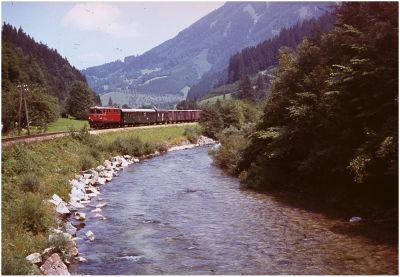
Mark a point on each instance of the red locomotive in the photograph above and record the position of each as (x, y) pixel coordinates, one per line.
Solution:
(107, 117)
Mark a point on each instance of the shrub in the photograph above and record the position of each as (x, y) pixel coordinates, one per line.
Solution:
(192, 133)
(86, 162)
(148, 148)
(233, 141)
(83, 135)
(16, 266)
(30, 183)
(95, 153)
(162, 147)
(31, 214)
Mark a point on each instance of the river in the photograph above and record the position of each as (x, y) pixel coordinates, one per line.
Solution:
(179, 214)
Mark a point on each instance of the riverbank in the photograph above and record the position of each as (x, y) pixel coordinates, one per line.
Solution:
(32, 174)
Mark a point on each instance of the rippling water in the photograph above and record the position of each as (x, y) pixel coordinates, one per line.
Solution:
(178, 214)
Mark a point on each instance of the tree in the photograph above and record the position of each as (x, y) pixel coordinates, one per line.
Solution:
(80, 100)
(110, 102)
(330, 125)
(245, 88)
(43, 108)
(187, 105)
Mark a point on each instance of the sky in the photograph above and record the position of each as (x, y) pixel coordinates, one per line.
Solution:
(94, 33)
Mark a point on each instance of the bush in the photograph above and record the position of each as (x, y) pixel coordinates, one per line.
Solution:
(30, 183)
(148, 148)
(233, 141)
(31, 214)
(16, 266)
(83, 135)
(192, 133)
(86, 163)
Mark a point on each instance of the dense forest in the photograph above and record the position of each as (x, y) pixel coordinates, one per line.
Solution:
(48, 77)
(329, 128)
(262, 56)
(253, 59)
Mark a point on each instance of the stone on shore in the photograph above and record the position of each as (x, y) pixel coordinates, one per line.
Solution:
(80, 216)
(54, 266)
(100, 216)
(101, 205)
(89, 235)
(34, 258)
(48, 252)
(70, 229)
(97, 210)
(55, 199)
(62, 209)
(76, 205)
(101, 181)
(100, 168)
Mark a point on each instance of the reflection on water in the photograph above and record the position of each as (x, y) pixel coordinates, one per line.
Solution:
(178, 214)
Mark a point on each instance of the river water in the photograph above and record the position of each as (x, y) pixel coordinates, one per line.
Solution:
(179, 214)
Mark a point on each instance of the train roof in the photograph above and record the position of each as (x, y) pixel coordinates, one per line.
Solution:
(137, 110)
(102, 108)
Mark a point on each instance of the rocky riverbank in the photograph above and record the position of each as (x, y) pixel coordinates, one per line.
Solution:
(85, 192)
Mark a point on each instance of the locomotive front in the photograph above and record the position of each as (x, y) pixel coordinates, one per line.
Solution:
(102, 117)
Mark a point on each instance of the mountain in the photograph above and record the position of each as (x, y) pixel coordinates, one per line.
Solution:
(165, 74)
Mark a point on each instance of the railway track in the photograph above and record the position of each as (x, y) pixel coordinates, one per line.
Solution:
(7, 142)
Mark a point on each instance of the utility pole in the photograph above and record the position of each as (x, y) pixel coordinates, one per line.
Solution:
(23, 89)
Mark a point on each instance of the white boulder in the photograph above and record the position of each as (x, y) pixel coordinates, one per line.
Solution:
(34, 258)
(70, 229)
(62, 209)
(97, 210)
(80, 216)
(100, 216)
(90, 236)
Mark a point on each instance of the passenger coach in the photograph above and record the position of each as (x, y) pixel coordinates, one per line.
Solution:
(107, 117)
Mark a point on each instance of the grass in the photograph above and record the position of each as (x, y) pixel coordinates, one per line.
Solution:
(213, 99)
(26, 215)
(61, 125)
(65, 124)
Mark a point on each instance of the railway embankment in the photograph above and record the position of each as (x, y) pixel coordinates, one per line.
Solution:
(42, 193)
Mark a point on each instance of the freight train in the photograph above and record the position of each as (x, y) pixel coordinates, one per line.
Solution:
(108, 117)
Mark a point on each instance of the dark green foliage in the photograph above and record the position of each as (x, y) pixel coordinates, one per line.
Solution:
(233, 141)
(187, 105)
(221, 115)
(254, 59)
(246, 91)
(30, 182)
(80, 100)
(330, 125)
(47, 74)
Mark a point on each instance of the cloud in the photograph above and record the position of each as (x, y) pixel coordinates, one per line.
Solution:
(99, 17)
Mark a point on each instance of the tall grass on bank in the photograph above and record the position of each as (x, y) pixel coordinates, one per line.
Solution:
(31, 174)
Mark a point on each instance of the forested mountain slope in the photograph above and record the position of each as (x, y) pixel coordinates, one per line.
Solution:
(264, 55)
(46, 73)
(173, 67)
